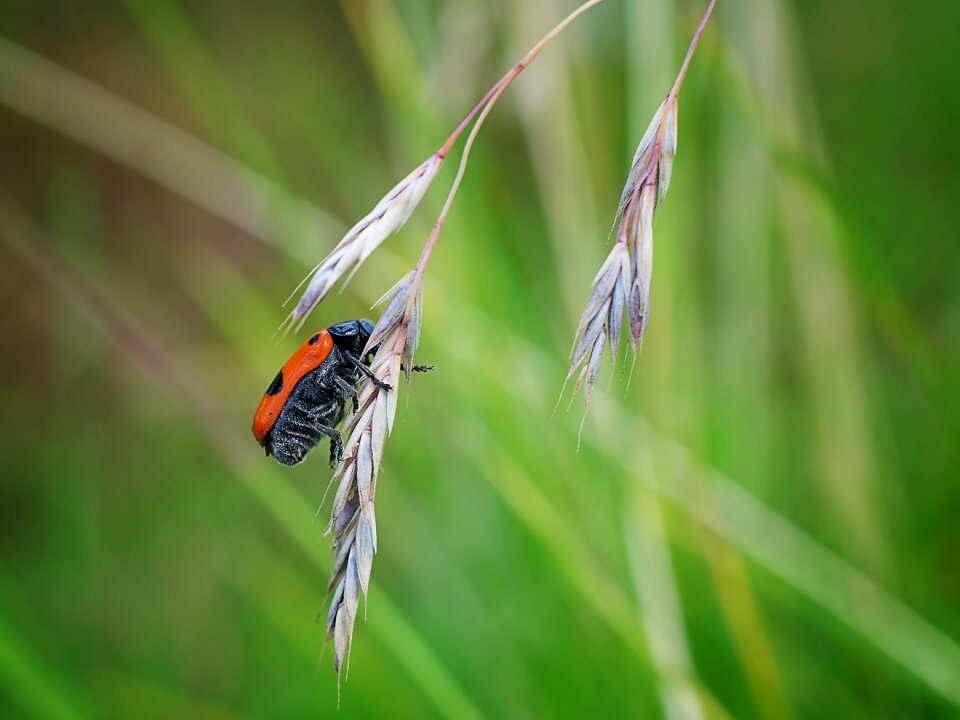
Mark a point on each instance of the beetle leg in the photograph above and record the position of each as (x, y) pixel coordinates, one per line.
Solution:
(336, 451)
(420, 368)
(352, 359)
(349, 390)
(336, 443)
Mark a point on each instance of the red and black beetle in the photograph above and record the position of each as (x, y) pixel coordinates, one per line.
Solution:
(307, 399)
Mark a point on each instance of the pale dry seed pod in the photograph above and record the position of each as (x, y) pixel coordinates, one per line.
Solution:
(386, 219)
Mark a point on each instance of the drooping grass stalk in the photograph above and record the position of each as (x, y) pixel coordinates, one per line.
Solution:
(658, 600)
(394, 340)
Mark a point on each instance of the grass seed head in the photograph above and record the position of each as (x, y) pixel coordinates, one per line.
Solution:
(623, 282)
(353, 518)
(604, 310)
(386, 219)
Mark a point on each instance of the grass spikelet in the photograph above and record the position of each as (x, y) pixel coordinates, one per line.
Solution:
(623, 282)
(353, 518)
(386, 219)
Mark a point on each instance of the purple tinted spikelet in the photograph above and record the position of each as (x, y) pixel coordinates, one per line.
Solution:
(624, 281)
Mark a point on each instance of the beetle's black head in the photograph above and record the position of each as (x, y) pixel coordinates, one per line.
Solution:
(352, 335)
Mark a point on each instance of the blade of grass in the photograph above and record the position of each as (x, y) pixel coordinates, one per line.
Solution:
(652, 573)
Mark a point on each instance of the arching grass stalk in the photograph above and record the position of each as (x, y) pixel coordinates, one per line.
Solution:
(395, 336)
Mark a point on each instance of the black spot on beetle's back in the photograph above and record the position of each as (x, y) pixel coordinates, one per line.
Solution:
(277, 384)
(314, 338)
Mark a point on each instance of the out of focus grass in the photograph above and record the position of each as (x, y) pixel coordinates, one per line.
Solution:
(763, 527)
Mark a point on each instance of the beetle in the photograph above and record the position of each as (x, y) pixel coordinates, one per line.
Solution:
(307, 399)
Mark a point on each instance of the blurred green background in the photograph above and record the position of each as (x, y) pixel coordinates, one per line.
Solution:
(764, 525)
